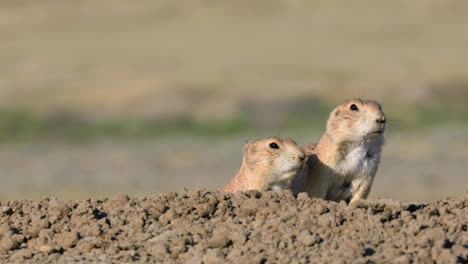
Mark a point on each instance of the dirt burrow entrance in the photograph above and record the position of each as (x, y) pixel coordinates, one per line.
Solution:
(250, 227)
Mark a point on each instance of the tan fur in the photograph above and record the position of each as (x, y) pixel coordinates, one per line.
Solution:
(266, 168)
(342, 165)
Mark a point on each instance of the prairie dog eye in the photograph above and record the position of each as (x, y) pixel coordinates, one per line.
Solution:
(353, 107)
(273, 145)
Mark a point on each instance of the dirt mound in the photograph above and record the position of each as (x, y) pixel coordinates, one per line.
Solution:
(251, 227)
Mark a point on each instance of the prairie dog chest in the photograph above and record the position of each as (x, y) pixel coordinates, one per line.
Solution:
(355, 169)
(356, 160)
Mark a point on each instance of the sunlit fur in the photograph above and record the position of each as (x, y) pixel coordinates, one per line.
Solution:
(266, 168)
(342, 165)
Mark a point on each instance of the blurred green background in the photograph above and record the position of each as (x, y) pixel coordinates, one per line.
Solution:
(100, 97)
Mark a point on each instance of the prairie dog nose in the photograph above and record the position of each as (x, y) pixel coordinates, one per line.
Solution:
(381, 120)
(302, 156)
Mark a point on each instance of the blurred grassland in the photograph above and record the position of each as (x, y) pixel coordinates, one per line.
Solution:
(309, 114)
(158, 95)
(205, 60)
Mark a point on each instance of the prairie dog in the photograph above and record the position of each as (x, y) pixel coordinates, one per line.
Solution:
(268, 163)
(342, 165)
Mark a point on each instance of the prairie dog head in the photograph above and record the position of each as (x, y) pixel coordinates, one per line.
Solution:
(272, 162)
(356, 120)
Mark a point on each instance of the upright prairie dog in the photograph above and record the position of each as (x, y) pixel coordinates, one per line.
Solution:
(342, 165)
(269, 163)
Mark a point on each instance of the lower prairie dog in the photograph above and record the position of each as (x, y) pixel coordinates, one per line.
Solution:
(268, 164)
(342, 165)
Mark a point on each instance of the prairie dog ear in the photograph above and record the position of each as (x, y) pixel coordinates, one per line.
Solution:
(336, 112)
(249, 148)
(246, 146)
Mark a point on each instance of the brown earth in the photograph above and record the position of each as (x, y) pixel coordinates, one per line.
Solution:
(251, 227)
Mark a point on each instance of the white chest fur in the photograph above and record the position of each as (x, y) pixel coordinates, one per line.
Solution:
(354, 161)
(356, 168)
